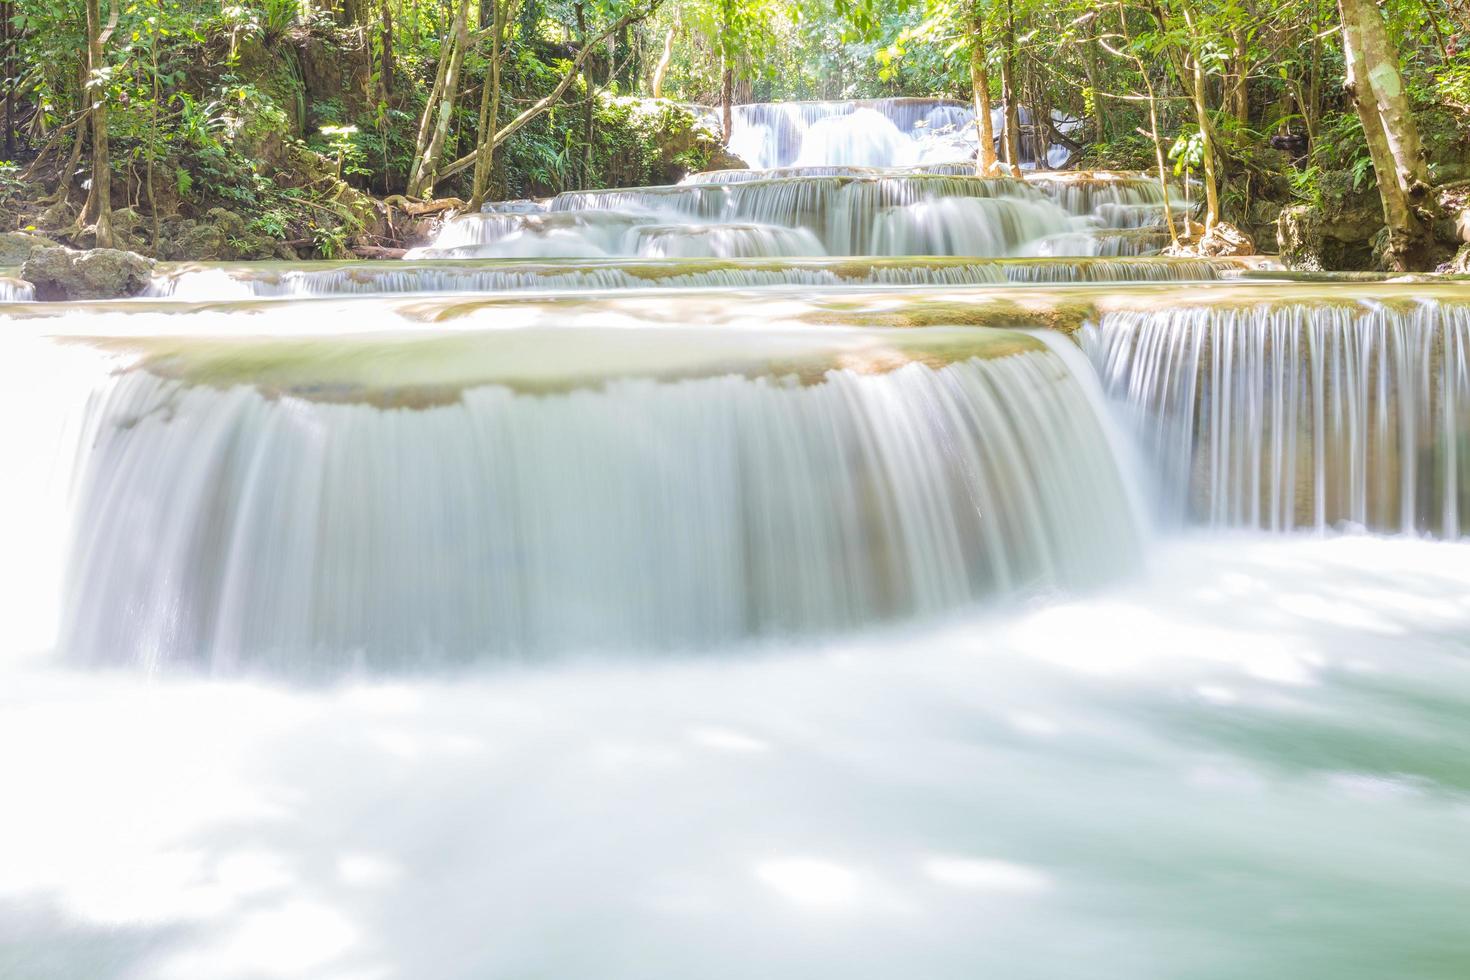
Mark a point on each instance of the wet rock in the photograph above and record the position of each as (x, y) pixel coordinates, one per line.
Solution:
(99, 273)
(17, 246)
(1460, 264)
(1311, 240)
(1224, 240)
(220, 236)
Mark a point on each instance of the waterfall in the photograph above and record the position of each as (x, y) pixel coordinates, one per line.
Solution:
(884, 132)
(863, 137)
(14, 290)
(1300, 413)
(317, 526)
(967, 226)
(725, 241)
(849, 215)
(848, 210)
(201, 283)
(875, 133)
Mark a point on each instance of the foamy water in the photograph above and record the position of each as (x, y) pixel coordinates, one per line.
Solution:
(1251, 762)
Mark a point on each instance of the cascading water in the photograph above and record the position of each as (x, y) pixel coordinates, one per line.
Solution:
(845, 585)
(875, 133)
(931, 210)
(203, 283)
(1300, 414)
(326, 523)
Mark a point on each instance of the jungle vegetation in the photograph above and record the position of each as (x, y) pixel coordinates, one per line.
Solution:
(251, 128)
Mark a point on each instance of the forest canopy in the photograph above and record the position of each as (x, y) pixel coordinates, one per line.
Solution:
(134, 122)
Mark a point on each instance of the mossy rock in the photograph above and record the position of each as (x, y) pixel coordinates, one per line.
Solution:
(99, 273)
(17, 246)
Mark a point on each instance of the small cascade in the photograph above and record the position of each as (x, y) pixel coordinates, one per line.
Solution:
(1118, 201)
(877, 132)
(742, 175)
(1302, 413)
(968, 226)
(833, 210)
(317, 527)
(874, 133)
(894, 214)
(200, 283)
(724, 241)
(13, 290)
(863, 138)
(533, 235)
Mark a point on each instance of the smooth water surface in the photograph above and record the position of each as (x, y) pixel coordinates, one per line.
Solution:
(1249, 762)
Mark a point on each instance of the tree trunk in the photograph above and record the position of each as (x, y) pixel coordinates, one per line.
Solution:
(727, 100)
(1207, 145)
(1312, 111)
(426, 121)
(98, 208)
(1239, 90)
(1380, 63)
(1099, 104)
(1008, 92)
(385, 77)
(1376, 89)
(7, 12)
(1153, 119)
(662, 69)
(422, 185)
(489, 106)
(985, 162)
(588, 106)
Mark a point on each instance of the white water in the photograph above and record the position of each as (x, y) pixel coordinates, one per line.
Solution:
(848, 210)
(203, 283)
(876, 133)
(876, 674)
(304, 535)
(1249, 764)
(1301, 414)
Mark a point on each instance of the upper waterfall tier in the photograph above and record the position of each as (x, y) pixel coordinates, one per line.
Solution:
(873, 133)
(315, 504)
(803, 213)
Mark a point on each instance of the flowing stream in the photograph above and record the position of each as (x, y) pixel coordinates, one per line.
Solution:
(853, 568)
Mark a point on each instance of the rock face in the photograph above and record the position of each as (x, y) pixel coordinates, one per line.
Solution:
(1310, 240)
(100, 273)
(17, 246)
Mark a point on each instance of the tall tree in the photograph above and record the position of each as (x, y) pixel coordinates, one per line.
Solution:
(97, 211)
(985, 162)
(1376, 87)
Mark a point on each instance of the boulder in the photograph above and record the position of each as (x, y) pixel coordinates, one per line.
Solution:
(1310, 239)
(1223, 240)
(17, 246)
(99, 273)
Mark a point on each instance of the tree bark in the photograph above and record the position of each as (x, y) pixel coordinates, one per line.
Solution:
(1380, 63)
(1153, 118)
(980, 95)
(589, 105)
(426, 121)
(98, 208)
(385, 77)
(1393, 139)
(1008, 92)
(662, 69)
(422, 184)
(1239, 89)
